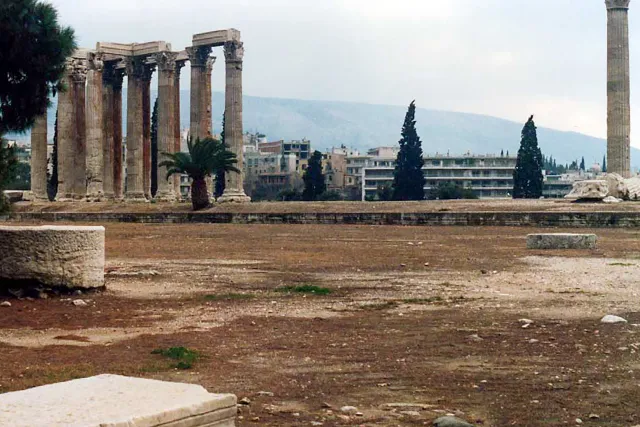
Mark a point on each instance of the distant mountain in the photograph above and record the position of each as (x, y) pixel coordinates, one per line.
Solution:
(364, 126)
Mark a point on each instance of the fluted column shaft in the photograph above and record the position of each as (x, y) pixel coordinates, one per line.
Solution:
(177, 128)
(166, 119)
(79, 81)
(618, 89)
(66, 130)
(135, 138)
(234, 53)
(39, 157)
(146, 131)
(95, 139)
(200, 125)
(118, 155)
(108, 77)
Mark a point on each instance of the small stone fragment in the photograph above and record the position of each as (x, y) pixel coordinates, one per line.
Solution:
(79, 303)
(244, 401)
(348, 409)
(612, 319)
(5, 304)
(265, 393)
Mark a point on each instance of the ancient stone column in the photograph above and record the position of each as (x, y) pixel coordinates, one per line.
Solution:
(166, 62)
(146, 130)
(66, 131)
(233, 54)
(135, 138)
(200, 61)
(95, 140)
(118, 155)
(108, 82)
(39, 157)
(177, 128)
(79, 81)
(618, 93)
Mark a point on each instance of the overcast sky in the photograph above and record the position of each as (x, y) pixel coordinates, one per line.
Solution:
(505, 58)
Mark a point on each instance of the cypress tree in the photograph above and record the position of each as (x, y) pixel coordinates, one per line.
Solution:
(527, 176)
(52, 181)
(604, 163)
(582, 167)
(313, 178)
(408, 178)
(154, 149)
(220, 183)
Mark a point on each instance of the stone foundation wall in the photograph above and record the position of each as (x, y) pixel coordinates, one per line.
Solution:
(512, 219)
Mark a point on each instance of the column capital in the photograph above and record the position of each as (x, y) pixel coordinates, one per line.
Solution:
(147, 72)
(166, 61)
(617, 4)
(179, 65)
(77, 69)
(95, 61)
(134, 66)
(112, 75)
(210, 61)
(234, 51)
(198, 56)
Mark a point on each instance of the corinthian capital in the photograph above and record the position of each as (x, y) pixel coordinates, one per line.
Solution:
(166, 61)
(233, 51)
(198, 56)
(77, 69)
(94, 59)
(617, 4)
(135, 66)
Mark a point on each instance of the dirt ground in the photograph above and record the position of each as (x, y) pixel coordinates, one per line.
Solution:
(420, 322)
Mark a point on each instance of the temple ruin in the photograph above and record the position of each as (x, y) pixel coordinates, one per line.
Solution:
(90, 146)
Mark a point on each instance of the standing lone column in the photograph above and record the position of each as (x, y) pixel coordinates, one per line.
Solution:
(146, 130)
(618, 92)
(135, 73)
(95, 140)
(233, 54)
(166, 119)
(108, 81)
(39, 157)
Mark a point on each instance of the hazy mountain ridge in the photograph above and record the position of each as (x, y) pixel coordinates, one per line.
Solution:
(332, 123)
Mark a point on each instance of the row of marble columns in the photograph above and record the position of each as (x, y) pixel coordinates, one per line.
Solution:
(90, 157)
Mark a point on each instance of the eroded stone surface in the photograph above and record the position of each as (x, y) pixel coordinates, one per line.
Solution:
(561, 241)
(590, 189)
(117, 401)
(52, 256)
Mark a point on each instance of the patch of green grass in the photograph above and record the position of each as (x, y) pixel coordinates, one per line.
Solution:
(183, 356)
(621, 264)
(387, 305)
(228, 297)
(304, 289)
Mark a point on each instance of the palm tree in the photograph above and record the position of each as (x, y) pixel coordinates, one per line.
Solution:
(204, 158)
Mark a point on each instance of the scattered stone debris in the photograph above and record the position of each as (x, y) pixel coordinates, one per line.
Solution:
(265, 393)
(451, 422)
(476, 338)
(79, 303)
(609, 318)
(244, 401)
(349, 410)
(5, 304)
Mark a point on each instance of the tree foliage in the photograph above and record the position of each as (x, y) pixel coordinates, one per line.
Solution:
(384, 193)
(527, 176)
(8, 166)
(313, 178)
(582, 165)
(604, 163)
(220, 181)
(33, 50)
(408, 178)
(203, 159)
(154, 149)
(451, 191)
